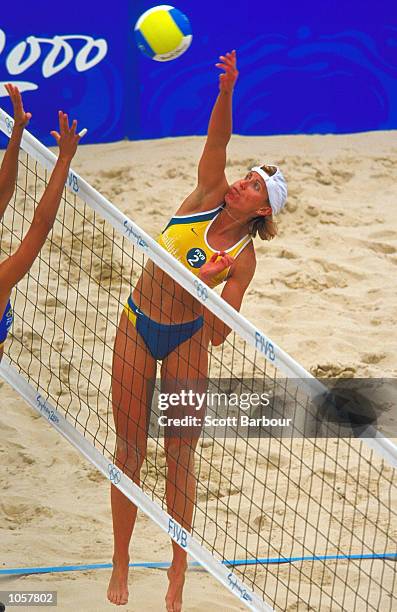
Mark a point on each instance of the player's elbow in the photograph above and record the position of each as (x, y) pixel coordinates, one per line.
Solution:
(218, 338)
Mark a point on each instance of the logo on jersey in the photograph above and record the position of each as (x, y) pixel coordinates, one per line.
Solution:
(196, 257)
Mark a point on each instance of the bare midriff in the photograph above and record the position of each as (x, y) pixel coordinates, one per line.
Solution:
(163, 299)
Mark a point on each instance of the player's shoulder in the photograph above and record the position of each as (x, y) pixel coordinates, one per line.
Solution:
(245, 263)
(200, 200)
(248, 253)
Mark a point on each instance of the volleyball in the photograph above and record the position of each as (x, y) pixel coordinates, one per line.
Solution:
(163, 33)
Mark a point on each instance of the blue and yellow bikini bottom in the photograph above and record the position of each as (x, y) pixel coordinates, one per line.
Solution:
(160, 339)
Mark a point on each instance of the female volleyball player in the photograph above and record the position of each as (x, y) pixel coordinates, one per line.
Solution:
(211, 234)
(18, 264)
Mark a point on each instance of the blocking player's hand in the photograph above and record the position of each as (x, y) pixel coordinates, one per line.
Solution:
(67, 139)
(21, 118)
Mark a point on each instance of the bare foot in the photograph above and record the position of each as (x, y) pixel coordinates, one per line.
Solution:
(118, 584)
(173, 599)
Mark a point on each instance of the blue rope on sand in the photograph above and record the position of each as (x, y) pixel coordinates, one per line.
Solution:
(162, 565)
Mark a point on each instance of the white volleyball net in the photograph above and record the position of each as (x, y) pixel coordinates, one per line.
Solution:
(286, 517)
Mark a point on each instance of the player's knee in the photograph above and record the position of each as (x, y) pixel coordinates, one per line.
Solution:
(179, 452)
(129, 457)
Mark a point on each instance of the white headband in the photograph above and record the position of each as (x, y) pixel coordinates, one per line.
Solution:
(276, 188)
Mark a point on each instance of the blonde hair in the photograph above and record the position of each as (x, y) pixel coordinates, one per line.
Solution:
(266, 227)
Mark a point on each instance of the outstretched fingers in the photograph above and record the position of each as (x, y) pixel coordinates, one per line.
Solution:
(66, 120)
(224, 66)
(228, 61)
(13, 92)
(228, 77)
(56, 135)
(73, 127)
(61, 121)
(20, 117)
(67, 139)
(17, 99)
(10, 90)
(64, 127)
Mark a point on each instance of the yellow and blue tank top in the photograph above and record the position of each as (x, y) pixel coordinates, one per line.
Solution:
(5, 323)
(185, 237)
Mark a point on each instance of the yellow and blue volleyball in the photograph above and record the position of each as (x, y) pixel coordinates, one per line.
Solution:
(163, 33)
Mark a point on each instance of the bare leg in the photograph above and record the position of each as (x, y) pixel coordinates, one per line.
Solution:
(134, 371)
(186, 368)
(181, 493)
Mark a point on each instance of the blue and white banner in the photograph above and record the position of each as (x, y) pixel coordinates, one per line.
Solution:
(74, 58)
(304, 68)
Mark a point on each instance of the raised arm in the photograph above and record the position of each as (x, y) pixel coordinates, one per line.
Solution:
(211, 170)
(9, 165)
(16, 266)
(212, 184)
